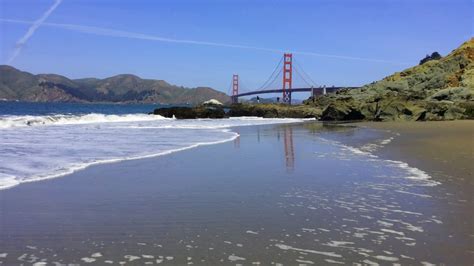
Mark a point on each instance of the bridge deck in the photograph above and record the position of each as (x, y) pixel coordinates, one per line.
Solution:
(330, 89)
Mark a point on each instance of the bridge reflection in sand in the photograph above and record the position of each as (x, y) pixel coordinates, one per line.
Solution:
(288, 147)
(289, 150)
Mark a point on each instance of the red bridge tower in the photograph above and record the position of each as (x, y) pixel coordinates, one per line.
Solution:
(235, 88)
(287, 77)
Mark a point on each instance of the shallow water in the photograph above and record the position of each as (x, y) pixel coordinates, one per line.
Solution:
(39, 147)
(300, 194)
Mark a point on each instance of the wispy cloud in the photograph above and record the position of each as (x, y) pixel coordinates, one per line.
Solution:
(133, 35)
(31, 30)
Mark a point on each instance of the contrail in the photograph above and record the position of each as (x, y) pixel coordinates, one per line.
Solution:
(133, 35)
(34, 26)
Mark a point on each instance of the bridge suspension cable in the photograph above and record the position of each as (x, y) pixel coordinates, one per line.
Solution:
(270, 80)
(302, 77)
(243, 86)
(230, 90)
(298, 66)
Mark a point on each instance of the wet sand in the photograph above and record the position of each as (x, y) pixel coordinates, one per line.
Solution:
(445, 147)
(290, 194)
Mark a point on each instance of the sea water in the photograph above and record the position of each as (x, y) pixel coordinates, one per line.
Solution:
(42, 141)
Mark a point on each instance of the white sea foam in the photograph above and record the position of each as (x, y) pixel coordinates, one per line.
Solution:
(131, 257)
(408, 171)
(338, 243)
(414, 173)
(369, 262)
(61, 119)
(88, 260)
(305, 261)
(334, 261)
(386, 258)
(324, 253)
(235, 258)
(35, 148)
(392, 231)
(251, 232)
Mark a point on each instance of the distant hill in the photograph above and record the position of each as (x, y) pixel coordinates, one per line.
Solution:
(126, 88)
(441, 88)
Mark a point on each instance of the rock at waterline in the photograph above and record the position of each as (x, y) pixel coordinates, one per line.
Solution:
(191, 112)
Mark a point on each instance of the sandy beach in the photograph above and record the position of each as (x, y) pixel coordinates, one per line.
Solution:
(445, 147)
(290, 194)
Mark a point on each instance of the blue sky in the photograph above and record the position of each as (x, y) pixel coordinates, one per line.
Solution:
(365, 40)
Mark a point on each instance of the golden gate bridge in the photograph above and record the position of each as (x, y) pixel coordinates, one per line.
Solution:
(283, 71)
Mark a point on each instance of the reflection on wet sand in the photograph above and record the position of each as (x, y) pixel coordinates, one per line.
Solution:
(289, 149)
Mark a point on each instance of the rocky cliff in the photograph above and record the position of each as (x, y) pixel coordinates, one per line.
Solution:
(439, 89)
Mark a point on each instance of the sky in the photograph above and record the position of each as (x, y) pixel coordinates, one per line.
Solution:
(202, 43)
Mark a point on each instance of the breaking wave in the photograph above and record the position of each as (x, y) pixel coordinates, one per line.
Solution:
(36, 148)
(62, 119)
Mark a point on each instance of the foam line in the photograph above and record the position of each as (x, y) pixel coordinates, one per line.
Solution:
(59, 145)
(31, 120)
(11, 182)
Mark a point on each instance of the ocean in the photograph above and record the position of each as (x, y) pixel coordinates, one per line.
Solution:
(47, 140)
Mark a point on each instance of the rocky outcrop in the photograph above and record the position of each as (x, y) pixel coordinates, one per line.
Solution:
(191, 112)
(440, 89)
(335, 112)
(235, 110)
(274, 111)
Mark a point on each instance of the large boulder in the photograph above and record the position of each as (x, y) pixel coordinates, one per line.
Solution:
(453, 94)
(341, 112)
(397, 110)
(443, 110)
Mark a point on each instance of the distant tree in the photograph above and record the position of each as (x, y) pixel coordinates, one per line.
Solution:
(433, 56)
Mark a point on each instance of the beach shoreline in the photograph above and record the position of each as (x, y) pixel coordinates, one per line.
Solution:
(439, 147)
(276, 194)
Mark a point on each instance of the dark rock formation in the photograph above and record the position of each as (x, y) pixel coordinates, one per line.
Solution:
(341, 112)
(191, 112)
(274, 111)
(260, 110)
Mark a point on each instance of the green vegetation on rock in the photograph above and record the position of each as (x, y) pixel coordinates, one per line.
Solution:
(438, 89)
(274, 110)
